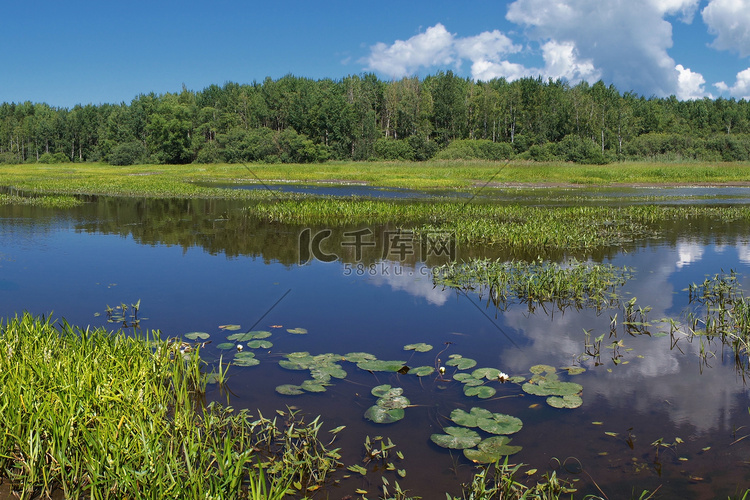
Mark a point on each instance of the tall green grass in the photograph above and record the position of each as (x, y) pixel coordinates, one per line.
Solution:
(103, 415)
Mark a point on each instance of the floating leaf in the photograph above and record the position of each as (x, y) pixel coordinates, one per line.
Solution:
(482, 391)
(259, 344)
(241, 337)
(457, 438)
(472, 382)
(421, 347)
(500, 424)
(461, 363)
(518, 379)
(570, 401)
(359, 357)
(469, 419)
(229, 327)
(381, 415)
(197, 335)
(295, 364)
(386, 391)
(289, 390)
(463, 376)
(213, 378)
(488, 373)
(313, 386)
(259, 334)
(539, 369)
(245, 362)
(491, 449)
(332, 370)
(552, 388)
(226, 345)
(394, 402)
(377, 365)
(574, 370)
(422, 371)
(297, 331)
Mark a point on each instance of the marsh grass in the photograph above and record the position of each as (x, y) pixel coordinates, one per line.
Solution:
(575, 284)
(101, 415)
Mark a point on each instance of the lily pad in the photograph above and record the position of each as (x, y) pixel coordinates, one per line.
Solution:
(420, 347)
(245, 354)
(259, 344)
(461, 363)
(313, 386)
(381, 415)
(565, 401)
(552, 388)
(246, 362)
(500, 424)
(488, 373)
(574, 370)
(332, 370)
(289, 390)
(359, 357)
(241, 337)
(226, 345)
(295, 364)
(461, 377)
(456, 438)
(229, 327)
(469, 419)
(378, 365)
(472, 382)
(481, 391)
(259, 334)
(197, 335)
(538, 369)
(491, 450)
(386, 391)
(422, 371)
(297, 331)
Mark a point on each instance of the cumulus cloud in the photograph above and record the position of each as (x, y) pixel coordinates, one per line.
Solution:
(690, 85)
(729, 21)
(626, 42)
(434, 47)
(741, 88)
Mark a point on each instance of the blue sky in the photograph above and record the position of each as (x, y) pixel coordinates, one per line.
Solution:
(80, 52)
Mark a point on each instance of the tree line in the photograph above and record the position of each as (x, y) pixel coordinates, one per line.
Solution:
(300, 120)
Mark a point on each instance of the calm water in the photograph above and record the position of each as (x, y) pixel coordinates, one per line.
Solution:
(196, 265)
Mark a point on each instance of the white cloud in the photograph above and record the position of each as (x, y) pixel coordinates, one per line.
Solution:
(434, 47)
(625, 43)
(690, 85)
(486, 46)
(729, 21)
(741, 88)
(561, 60)
(487, 70)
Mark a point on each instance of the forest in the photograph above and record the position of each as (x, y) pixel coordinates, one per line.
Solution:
(360, 117)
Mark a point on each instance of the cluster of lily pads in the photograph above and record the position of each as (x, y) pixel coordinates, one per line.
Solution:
(545, 382)
(486, 450)
(390, 405)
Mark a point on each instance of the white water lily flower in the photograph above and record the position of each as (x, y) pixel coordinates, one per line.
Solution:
(441, 370)
(503, 377)
(239, 347)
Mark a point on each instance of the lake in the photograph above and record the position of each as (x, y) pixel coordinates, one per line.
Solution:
(198, 265)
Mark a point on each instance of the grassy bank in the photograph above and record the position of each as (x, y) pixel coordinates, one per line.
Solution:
(179, 180)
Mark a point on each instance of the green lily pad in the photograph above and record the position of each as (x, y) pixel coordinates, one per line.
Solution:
(393, 402)
(461, 377)
(569, 401)
(294, 364)
(313, 386)
(212, 378)
(332, 370)
(197, 335)
(385, 390)
(377, 365)
(240, 337)
(491, 450)
(481, 391)
(246, 362)
(227, 345)
(472, 382)
(359, 357)
(538, 369)
(244, 354)
(500, 424)
(552, 388)
(229, 327)
(456, 438)
(259, 344)
(297, 331)
(574, 370)
(469, 419)
(461, 363)
(422, 371)
(381, 415)
(488, 373)
(289, 390)
(421, 347)
(518, 379)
